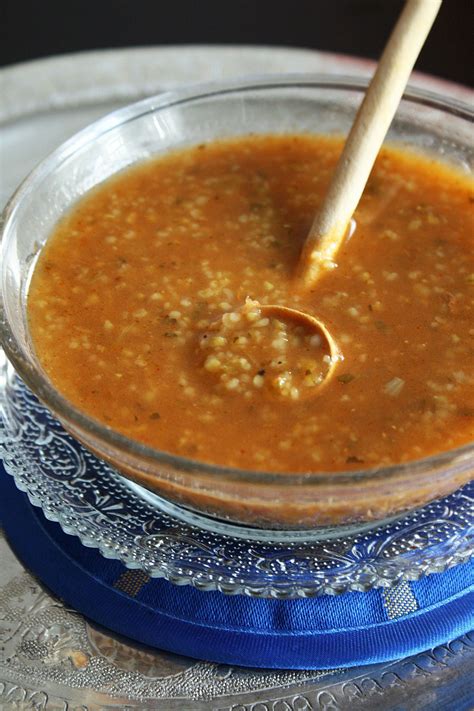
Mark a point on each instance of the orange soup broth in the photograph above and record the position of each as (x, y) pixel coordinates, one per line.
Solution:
(150, 261)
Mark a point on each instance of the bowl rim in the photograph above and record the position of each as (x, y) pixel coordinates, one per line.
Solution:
(65, 411)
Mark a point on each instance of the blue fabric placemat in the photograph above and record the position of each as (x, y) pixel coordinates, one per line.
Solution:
(318, 633)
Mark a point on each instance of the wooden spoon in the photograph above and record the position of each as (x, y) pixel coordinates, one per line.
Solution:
(363, 143)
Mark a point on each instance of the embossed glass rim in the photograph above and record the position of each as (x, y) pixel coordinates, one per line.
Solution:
(31, 372)
(90, 500)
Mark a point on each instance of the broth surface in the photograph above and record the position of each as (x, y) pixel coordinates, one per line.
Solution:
(126, 295)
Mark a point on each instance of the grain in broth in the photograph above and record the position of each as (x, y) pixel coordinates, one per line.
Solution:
(126, 295)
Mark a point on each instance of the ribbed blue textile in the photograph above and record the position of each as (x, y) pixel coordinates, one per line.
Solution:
(319, 633)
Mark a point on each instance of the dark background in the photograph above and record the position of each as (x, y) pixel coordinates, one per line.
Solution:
(38, 28)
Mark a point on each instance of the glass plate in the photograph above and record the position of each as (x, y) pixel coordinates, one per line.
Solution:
(92, 501)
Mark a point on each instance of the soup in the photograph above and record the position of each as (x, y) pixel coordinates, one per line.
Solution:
(137, 308)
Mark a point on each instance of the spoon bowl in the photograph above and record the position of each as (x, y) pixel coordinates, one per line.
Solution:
(313, 325)
(270, 350)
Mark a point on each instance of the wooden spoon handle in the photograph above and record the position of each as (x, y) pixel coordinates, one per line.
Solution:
(365, 138)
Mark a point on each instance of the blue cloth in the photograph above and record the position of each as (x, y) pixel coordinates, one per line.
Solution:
(319, 633)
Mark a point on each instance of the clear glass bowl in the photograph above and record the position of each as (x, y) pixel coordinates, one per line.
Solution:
(126, 522)
(424, 122)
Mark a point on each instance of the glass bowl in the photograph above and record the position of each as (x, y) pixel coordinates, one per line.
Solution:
(305, 104)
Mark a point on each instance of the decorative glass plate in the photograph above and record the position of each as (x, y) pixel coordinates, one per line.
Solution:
(91, 500)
